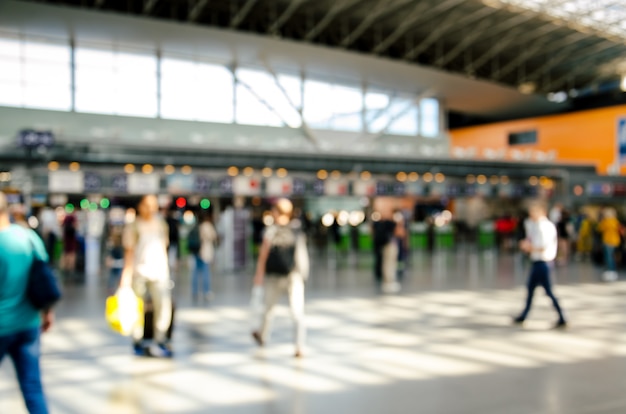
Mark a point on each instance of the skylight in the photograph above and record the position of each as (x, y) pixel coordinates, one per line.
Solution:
(605, 17)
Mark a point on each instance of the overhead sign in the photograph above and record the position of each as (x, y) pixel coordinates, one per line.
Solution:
(180, 183)
(202, 184)
(621, 140)
(29, 138)
(279, 186)
(247, 186)
(143, 183)
(68, 182)
(119, 184)
(93, 182)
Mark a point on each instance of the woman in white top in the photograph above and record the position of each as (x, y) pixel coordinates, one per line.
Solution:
(204, 258)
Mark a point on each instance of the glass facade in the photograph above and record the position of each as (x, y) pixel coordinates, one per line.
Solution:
(35, 75)
(114, 82)
(109, 82)
(196, 91)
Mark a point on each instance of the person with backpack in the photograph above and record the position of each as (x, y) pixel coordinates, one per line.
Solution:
(147, 271)
(283, 267)
(201, 243)
(21, 324)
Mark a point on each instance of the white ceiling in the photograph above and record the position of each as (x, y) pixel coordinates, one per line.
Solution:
(458, 93)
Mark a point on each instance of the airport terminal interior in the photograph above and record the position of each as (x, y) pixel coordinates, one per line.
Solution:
(440, 158)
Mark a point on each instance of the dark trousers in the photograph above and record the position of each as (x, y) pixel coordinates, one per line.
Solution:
(23, 348)
(50, 246)
(540, 276)
(378, 263)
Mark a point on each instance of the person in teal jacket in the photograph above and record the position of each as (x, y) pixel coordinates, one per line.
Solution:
(20, 323)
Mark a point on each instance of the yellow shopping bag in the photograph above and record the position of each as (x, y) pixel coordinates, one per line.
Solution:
(124, 311)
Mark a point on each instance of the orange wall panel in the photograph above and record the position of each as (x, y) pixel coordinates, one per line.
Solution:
(587, 137)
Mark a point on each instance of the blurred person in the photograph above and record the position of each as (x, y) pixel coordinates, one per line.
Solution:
(283, 267)
(541, 244)
(20, 323)
(383, 232)
(204, 258)
(386, 251)
(610, 229)
(115, 259)
(146, 270)
(505, 227)
(584, 241)
(174, 239)
(555, 213)
(50, 230)
(401, 237)
(70, 243)
(564, 234)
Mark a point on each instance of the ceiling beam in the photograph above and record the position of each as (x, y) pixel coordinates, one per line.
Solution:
(196, 10)
(148, 5)
(286, 15)
(335, 10)
(452, 20)
(539, 46)
(476, 32)
(586, 65)
(559, 57)
(242, 13)
(409, 22)
(515, 35)
(382, 8)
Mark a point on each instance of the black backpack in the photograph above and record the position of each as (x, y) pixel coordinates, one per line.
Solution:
(281, 260)
(193, 240)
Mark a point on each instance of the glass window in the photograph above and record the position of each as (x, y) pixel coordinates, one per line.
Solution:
(196, 91)
(10, 94)
(375, 110)
(116, 83)
(35, 74)
(11, 69)
(328, 106)
(292, 85)
(403, 117)
(10, 48)
(348, 109)
(46, 52)
(391, 115)
(263, 101)
(318, 111)
(429, 122)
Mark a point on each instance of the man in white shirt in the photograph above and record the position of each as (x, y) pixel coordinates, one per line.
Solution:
(541, 245)
(146, 269)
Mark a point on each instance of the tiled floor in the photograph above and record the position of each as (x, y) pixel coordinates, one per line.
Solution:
(445, 345)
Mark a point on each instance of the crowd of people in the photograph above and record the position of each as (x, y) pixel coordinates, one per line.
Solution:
(142, 253)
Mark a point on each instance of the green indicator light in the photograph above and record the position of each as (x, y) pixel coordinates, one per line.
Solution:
(105, 203)
(69, 208)
(84, 204)
(205, 204)
(93, 206)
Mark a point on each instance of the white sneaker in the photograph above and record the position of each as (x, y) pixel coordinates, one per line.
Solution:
(391, 287)
(609, 276)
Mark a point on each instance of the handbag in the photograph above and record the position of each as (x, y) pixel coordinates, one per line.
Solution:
(124, 310)
(42, 289)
